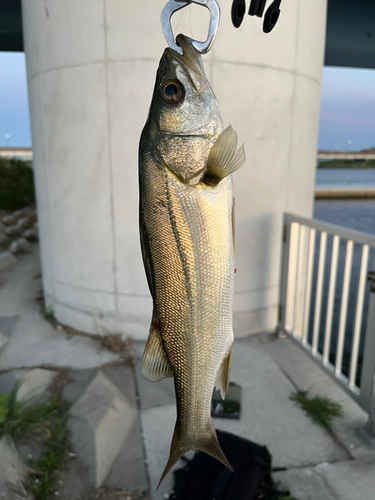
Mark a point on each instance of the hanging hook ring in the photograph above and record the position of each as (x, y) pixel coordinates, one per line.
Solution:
(175, 5)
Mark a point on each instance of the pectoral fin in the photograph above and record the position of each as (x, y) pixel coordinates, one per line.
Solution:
(155, 365)
(223, 159)
(223, 374)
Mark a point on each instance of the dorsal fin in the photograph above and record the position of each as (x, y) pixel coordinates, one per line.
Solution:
(223, 159)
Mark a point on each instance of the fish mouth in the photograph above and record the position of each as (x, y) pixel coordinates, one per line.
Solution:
(191, 58)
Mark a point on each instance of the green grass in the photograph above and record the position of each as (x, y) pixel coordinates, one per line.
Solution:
(47, 421)
(321, 409)
(52, 458)
(49, 313)
(280, 492)
(16, 184)
(285, 496)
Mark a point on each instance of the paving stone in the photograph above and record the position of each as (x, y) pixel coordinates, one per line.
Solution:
(269, 417)
(3, 340)
(3, 239)
(20, 246)
(12, 230)
(101, 420)
(31, 234)
(24, 222)
(10, 379)
(32, 383)
(80, 380)
(347, 480)
(308, 376)
(154, 393)
(20, 213)
(74, 487)
(8, 220)
(34, 342)
(35, 383)
(2, 228)
(15, 495)
(29, 449)
(11, 471)
(123, 378)
(305, 484)
(7, 323)
(350, 480)
(158, 425)
(128, 471)
(6, 260)
(6, 327)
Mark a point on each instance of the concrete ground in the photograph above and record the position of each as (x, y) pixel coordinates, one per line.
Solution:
(28, 339)
(124, 424)
(317, 466)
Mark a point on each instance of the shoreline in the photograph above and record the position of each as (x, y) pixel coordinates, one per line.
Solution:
(344, 193)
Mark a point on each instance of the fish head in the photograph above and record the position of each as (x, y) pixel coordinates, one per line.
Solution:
(183, 102)
(184, 119)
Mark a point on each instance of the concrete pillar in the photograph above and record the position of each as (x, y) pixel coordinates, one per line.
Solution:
(91, 67)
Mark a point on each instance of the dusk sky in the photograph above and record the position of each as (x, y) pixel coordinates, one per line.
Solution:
(347, 106)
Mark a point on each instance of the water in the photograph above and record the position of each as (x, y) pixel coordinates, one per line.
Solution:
(353, 214)
(353, 177)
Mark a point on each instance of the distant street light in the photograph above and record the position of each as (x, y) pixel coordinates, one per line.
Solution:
(7, 137)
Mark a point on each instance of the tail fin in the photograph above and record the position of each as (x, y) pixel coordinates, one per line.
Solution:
(209, 444)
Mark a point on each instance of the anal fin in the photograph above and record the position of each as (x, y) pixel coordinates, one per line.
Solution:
(155, 364)
(223, 374)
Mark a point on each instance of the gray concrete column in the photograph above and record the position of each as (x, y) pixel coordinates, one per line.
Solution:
(91, 67)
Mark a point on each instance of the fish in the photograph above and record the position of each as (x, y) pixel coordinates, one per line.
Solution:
(186, 220)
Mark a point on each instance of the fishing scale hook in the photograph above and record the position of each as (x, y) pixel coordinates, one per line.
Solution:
(238, 13)
(175, 5)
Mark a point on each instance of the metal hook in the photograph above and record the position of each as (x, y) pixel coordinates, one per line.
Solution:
(175, 5)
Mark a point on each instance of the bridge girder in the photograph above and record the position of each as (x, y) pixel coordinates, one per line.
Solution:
(350, 36)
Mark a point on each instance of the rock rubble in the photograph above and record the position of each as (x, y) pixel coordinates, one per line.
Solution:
(17, 231)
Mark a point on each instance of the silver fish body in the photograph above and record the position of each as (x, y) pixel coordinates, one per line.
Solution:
(187, 239)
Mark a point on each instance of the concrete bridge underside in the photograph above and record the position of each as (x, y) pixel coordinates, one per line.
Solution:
(350, 33)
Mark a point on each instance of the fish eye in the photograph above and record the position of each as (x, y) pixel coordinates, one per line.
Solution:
(171, 89)
(172, 92)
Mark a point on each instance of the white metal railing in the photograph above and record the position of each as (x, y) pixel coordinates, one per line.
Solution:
(326, 304)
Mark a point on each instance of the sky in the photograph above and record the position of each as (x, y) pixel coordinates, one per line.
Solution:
(347, 112)
(14, 108)
(347, 109)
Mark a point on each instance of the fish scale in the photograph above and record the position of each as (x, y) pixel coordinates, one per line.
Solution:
(186, 226)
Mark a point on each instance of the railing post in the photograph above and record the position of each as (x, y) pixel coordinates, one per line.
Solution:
(284, 265)
(368, 367)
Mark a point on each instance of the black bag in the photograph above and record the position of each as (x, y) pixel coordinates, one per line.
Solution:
(204, 478)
